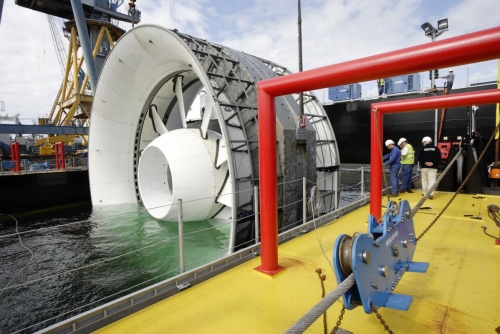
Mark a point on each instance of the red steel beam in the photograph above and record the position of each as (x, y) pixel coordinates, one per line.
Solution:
(465, 49)
(379, 109)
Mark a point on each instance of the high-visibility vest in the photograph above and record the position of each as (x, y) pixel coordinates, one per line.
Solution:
(381, 82)
(409, 159)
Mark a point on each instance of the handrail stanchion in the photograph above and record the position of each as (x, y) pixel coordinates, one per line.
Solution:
(181, 237)
(336, 187)
(362, 181)
(256, 213)
(63, 157)
(304, 200)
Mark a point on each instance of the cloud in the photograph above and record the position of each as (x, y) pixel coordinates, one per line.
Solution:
(333, 31)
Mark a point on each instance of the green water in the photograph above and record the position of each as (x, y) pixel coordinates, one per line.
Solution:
(138, 251)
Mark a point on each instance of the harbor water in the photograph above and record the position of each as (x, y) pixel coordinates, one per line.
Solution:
(86, 256)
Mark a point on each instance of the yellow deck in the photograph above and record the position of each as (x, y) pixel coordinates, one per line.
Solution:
(460, 293)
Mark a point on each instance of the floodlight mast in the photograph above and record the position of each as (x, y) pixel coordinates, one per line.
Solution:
(432, 33)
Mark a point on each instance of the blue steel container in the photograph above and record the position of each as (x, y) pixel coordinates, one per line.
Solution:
(345, 92)
(402, 83)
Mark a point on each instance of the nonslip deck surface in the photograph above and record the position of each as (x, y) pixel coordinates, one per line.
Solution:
(460, 293)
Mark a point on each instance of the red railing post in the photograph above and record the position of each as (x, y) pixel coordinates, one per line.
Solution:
(15, 157)
(18, 157)
(268, 176)
(56, 149)
(376, 169)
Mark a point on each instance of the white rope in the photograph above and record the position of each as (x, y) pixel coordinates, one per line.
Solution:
(27, 264)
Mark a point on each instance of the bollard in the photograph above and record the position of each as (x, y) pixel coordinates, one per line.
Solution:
(256, 212)
(181, 238)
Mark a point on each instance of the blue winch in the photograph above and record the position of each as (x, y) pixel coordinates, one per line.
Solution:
(379, 259)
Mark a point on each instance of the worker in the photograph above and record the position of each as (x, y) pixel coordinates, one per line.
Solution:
(428, 156)
(381, 87)
(393, 160)
(407, 162)
(449, 79)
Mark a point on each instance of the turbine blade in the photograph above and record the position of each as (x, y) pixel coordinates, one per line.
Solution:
(221, 153)
(158, 125)
(206, 116)
(226, 196)
(180, 99)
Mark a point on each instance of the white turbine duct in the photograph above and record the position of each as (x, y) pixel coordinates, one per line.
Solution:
(142, 148)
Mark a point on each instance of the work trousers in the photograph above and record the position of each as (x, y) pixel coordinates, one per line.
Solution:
(394, 178)
(406, 173)
(428, 179)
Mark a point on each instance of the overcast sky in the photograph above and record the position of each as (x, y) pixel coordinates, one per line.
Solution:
(333, 31)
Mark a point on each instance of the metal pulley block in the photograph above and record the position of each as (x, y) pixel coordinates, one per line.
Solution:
(378, 260)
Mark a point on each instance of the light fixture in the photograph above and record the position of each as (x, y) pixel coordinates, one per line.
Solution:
(427, 28)
(443, 25)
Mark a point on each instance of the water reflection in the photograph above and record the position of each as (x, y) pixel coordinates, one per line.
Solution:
(120, 248)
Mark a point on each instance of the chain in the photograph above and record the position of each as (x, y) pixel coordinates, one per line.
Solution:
(341, 316)
(382, 321)
(322, 278)
(462, 185)
(381, 155)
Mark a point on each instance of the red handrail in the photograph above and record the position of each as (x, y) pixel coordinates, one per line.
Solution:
(479, 46)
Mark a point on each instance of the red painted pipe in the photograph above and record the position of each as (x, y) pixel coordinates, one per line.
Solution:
(479, 46)
(491, 96)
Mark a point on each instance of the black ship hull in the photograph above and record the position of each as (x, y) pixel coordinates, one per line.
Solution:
(351, 123)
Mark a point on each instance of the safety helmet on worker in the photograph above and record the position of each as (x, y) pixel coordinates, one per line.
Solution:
(426, 139)
(451, 70)
(401, 141)
(389, 142)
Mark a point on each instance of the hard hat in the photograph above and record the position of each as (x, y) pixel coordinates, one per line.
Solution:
(451, 70)
(426, 140)
(401, 140)
(389, 142)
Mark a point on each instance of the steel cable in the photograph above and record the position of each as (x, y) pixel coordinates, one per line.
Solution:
(310, 317)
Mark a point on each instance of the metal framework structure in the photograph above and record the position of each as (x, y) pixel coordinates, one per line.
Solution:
(73, 100)
(147, 83)
(470, 48)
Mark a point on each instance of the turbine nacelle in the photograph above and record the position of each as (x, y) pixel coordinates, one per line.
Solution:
(180, 164)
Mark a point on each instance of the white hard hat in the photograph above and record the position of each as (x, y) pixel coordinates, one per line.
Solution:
(451, 70)
(426, 140)
(389, 142)
(401, 140)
